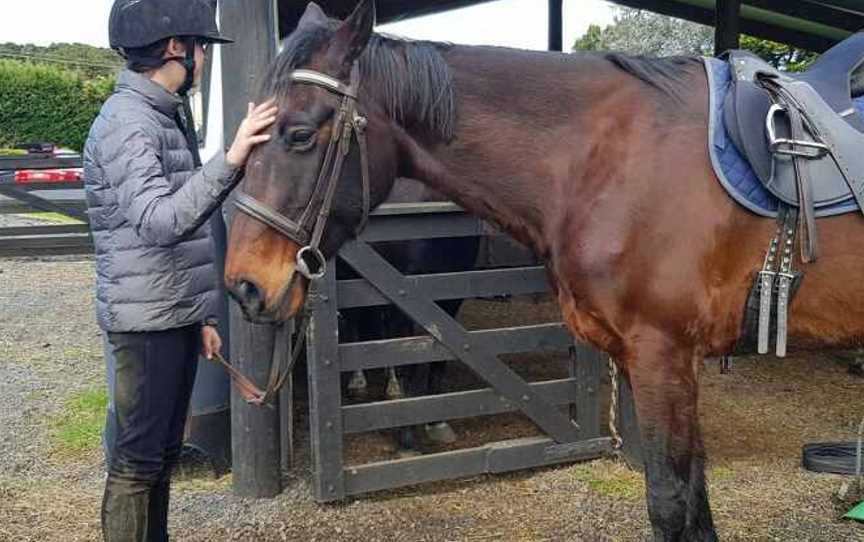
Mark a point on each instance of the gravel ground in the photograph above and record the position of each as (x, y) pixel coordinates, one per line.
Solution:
(755, 421)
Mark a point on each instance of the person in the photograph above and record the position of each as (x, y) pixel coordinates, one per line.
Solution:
(156, 288)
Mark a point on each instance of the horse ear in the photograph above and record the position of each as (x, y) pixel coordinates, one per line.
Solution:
(353, 34)
(313, 14)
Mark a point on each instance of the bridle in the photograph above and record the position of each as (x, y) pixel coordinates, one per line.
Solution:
(308, 230)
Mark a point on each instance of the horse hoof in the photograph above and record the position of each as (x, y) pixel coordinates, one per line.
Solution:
(358, 381)
(441, 433)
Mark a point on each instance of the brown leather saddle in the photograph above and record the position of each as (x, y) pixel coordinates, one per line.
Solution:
(801, 133)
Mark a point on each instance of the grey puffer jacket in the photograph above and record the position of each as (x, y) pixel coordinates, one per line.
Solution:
(148, 209)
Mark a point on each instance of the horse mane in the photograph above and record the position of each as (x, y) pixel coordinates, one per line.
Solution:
(669, 75)
(410, 79)
(414, 84)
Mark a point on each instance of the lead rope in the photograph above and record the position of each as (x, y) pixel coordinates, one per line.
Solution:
(251, 393)
(617, 441)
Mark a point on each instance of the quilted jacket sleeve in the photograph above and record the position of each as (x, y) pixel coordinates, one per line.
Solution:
(158, 215)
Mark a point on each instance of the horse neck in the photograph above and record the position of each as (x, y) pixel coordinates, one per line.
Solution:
(515, 140)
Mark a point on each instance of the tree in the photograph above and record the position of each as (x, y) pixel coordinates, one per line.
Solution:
(640, 32)
(90, 61)
(779, 55)
(42, 102)
(53, 93)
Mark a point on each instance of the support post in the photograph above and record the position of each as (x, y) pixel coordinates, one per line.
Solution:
(628, 426)
(727, 26)
(556, 25)
(325, 390)
(586, 365)
(286, 397)
(255, 431)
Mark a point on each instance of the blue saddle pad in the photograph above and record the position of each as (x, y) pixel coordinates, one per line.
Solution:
(733, 170)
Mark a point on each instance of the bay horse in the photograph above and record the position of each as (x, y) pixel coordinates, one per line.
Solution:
(598, 162)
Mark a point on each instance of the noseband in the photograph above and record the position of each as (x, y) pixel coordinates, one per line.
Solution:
(308, 230)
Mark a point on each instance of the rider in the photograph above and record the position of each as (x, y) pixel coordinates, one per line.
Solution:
(149, 200)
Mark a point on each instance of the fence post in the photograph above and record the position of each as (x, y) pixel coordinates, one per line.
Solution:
(586, 365)
(255, 431)
(628, 426)
(325, 389)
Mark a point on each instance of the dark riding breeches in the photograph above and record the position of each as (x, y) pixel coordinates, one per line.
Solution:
(153, 382)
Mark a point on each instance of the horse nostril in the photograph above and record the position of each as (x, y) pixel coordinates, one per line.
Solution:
(249, 295)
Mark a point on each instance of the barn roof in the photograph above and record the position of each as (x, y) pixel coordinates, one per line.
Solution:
(811, 24)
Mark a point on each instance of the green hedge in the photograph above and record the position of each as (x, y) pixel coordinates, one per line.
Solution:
(45, 103)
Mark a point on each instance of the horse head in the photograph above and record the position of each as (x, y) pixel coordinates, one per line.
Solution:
(310, 189)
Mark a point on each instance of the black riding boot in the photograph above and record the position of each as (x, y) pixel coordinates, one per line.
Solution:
(124, 513)
(158, 512)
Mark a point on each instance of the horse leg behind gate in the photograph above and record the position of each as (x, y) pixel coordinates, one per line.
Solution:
(664, 378)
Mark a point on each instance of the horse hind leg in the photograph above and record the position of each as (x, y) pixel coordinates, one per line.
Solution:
(407, 441)
(664, 379)
(439, 432)
(358, 386)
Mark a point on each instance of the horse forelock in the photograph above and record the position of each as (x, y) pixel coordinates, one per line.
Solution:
(409, 79)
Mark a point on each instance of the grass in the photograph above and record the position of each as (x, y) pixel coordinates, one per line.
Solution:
(611, 479)
(202, 484)
(56, 218)
(718, 473)
(77, 429)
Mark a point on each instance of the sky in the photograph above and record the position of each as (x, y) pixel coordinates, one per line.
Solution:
(514, 23)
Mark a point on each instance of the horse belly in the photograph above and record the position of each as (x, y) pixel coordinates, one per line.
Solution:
(828, 310)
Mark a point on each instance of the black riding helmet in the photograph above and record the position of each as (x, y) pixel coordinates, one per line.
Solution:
(139, 23)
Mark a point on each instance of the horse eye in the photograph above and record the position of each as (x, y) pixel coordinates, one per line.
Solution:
(300, 138)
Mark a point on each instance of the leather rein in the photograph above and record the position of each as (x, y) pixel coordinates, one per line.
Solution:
(308, 230)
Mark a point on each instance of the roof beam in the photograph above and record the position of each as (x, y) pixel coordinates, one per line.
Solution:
(727, 22)
(388, 11)
(754, 21)
(816, 12)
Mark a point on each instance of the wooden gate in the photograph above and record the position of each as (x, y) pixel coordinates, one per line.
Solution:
(570, 434)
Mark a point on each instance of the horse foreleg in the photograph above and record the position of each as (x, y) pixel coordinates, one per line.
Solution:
(664, 378)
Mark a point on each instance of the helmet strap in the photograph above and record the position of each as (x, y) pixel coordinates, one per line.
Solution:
(186, 121)
(188, 63)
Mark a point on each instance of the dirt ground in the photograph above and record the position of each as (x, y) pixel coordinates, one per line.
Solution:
(755, 421)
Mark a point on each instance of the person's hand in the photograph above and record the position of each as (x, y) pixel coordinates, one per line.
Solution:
(258, 119)
(211, 343)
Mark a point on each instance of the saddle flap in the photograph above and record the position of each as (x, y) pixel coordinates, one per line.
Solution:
(745, 113)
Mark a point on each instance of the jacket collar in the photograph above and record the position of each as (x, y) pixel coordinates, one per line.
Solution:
(154, 94)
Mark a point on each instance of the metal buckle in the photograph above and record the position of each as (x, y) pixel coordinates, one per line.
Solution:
(303, 265)
(360, 122)
(787, 146)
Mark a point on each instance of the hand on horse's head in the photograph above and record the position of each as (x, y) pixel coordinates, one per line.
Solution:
(253, 131)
